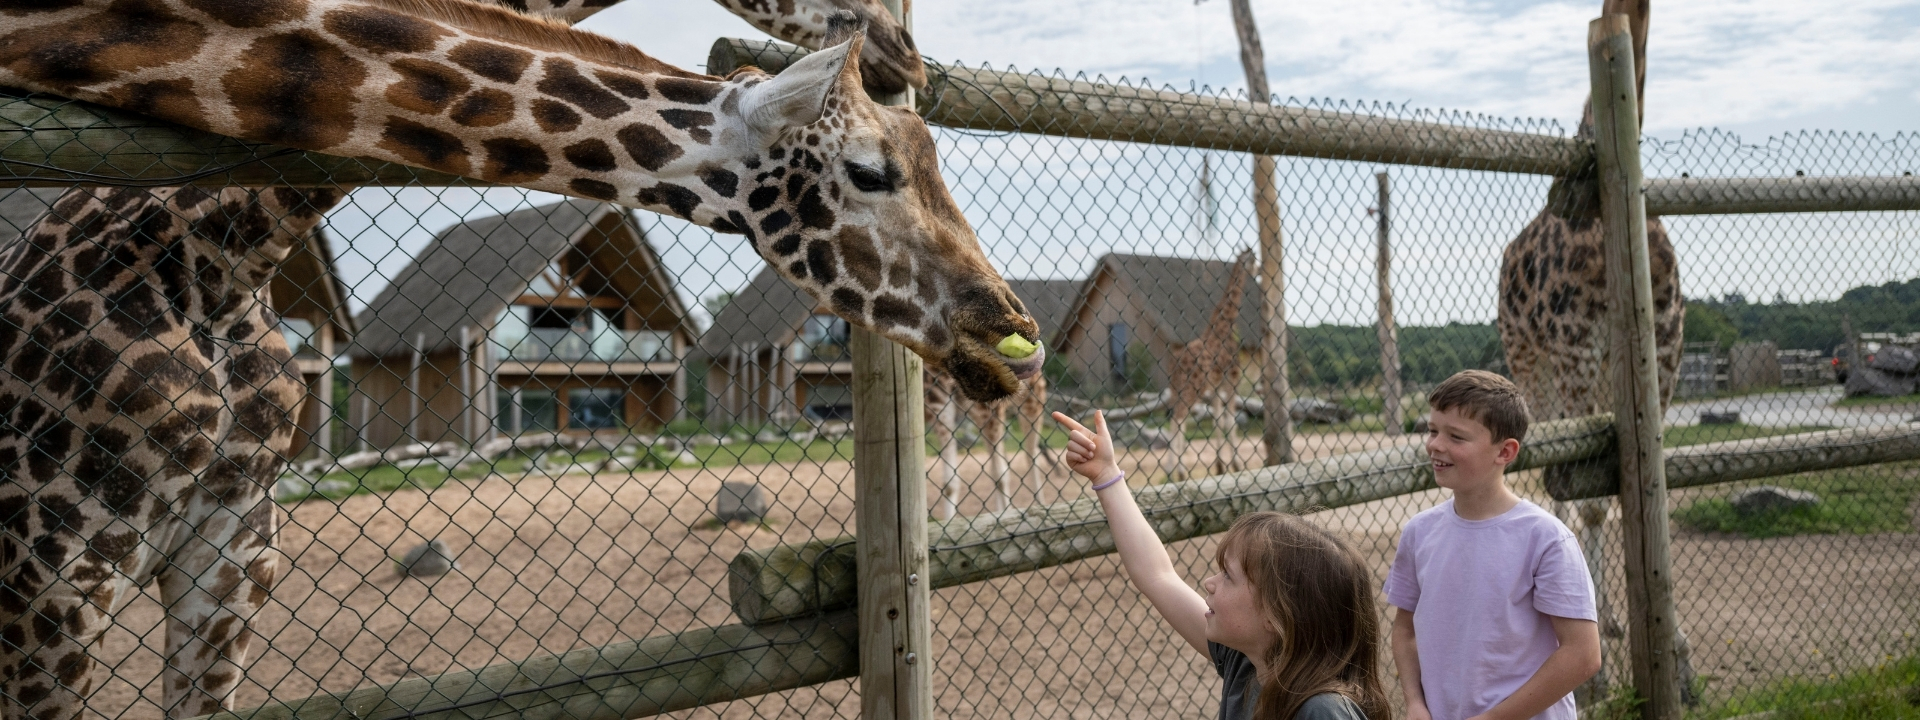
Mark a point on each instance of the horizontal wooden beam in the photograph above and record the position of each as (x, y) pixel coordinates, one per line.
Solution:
(801, 579)
(625, 680)
(1724, 462)
(1739, 196)
(998, 101)
(48, 141)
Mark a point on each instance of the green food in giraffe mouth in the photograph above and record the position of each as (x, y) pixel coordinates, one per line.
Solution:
(1016, 347)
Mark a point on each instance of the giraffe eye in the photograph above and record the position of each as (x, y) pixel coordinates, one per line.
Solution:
(868, 179)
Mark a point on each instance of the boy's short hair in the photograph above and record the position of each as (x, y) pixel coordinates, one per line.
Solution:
(1487, 399)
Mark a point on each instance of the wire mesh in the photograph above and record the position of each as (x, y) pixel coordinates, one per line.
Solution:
(525, 425)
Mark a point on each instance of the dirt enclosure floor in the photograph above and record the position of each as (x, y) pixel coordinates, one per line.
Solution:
(548, 565)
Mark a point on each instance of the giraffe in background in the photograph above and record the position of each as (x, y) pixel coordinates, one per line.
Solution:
(944, 408)
(1208, 368)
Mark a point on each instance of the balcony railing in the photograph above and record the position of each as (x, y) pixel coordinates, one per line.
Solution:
(557, 344)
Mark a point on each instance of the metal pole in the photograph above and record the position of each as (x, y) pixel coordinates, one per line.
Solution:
(890, 500)
(1389, 334)
(1651, 631)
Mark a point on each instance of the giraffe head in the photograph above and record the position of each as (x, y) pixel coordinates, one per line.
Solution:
(844, 197)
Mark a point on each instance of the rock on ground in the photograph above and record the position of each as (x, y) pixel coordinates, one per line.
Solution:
(1770, 498)
(429, 559)
(740, 501)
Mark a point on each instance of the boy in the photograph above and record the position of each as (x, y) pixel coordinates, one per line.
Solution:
(1495, 615)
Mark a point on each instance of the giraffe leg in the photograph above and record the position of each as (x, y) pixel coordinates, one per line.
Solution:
(212, 586)
(1177, 446)
(1031, 416)
(992, 421)
(1228, 427)
(944, 421)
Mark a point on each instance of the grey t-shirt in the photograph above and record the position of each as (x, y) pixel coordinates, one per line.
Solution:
(1240, 693)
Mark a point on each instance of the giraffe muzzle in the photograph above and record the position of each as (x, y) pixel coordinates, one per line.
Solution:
(1021, 356)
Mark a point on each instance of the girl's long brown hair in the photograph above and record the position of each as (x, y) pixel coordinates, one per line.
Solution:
(1318, 595)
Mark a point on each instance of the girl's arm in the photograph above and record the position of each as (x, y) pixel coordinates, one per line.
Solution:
(1090, 453)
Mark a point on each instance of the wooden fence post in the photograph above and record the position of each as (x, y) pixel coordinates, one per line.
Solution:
(1635, 371)
(890, 501)
(1390, 389)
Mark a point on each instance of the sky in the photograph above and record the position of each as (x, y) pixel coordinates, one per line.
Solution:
(1755, 71)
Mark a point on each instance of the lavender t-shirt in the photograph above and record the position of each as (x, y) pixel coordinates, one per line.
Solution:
(1481, 593)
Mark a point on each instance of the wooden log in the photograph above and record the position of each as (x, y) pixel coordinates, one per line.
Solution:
(802, 579)
(1731, 461)
(1734, 196)
(50, 141)
(624, 680)
(1652, 631)
(1389, 334)
(999, 101)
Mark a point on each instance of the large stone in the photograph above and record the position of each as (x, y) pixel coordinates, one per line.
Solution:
(429, 559)
(1133, 434)
(1769, 498)
(1871, 381)
(740, 502)
(1894, 359)
(1315, 410)
(1720, 417)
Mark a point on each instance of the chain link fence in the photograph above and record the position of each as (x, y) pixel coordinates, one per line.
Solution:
(532, 426)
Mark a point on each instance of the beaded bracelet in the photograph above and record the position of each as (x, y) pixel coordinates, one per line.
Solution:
(1109, 483)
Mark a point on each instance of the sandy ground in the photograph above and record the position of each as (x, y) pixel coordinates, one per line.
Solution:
(553, 564)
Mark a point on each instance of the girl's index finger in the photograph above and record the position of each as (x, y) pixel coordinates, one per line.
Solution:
(1071, 424)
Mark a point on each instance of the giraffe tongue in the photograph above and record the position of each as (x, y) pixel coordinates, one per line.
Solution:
(1026, 367)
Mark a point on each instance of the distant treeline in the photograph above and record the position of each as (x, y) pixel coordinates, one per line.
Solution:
(1346, 355)
(1893, 307)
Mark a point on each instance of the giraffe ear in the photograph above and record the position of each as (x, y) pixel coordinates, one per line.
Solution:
(798, 95)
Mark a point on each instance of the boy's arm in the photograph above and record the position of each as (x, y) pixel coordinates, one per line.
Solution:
(1406, 660)
(1577, 660)
(1090, 453)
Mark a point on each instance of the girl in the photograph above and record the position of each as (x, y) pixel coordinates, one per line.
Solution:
(1289, 620)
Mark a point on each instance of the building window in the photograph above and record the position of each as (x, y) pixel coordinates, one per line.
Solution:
(594, 408)
(1117, 352)
(539, 411)
(822, 338)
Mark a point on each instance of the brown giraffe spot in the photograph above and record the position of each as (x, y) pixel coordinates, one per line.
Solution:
(798, 269)
(594, 189)
(820, 262)
(514, 160)
(381, 31)
(722, 181)
(890, 310)
(28, 7)
(678, 199)
(900, 274)
(165, 99)
(763, 197)
(130, 35)
(483, 108)
(813, 212)
(591, 156)
(251, 13)
(695, 122)
(627, 85)
(295, 89)
(861, 257)
(788, 244)
(425, 87)
(849, 304)
(775, 221)
(493, 62)
(417, 144)
(648, 146)
(554, 117)
(687, 90)
(565, 82)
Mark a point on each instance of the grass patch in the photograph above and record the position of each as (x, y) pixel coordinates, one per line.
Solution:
(1684, 435)
(1854, 501)
(1888, 692)
(1876, 401)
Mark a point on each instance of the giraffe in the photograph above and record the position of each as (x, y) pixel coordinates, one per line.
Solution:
(1208, 368)
(1553, 319)
(944, 407)
(146, 393)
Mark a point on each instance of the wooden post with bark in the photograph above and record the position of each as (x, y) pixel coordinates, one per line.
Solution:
(1390, 390)
(890, 506)
(1651, 629)
(1277, 430)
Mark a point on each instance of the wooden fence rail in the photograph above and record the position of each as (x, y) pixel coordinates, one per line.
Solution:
(793, 599)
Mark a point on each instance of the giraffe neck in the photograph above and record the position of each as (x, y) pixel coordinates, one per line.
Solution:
(470, 90)
(1226, 312)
